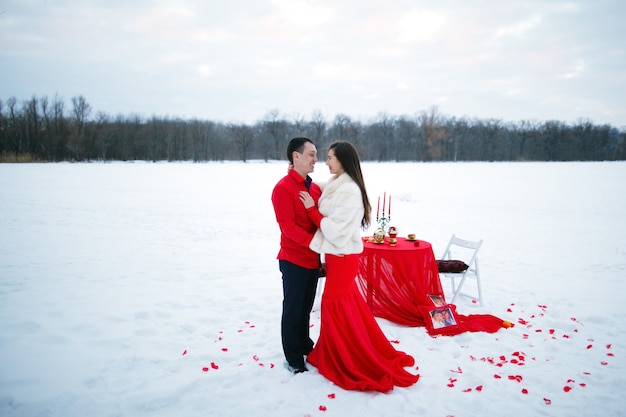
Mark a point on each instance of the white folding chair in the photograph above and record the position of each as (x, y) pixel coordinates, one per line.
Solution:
(466, 251)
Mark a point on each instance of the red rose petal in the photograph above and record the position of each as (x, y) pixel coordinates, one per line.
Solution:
(184, 352)
(604, 363)
(224, 349)
(214, 366)
(322, 408)
(547, 401)
(479, 388)
(608, 346)
(467, 390)
(567, 388)
(524, 391)
(496, 376)
(255, 357)
(589, 346)
(205, 369)
(331, 396)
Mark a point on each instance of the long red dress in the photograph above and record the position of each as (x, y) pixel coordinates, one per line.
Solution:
(352, 351)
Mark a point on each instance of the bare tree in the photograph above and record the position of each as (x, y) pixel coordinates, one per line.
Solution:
(433, 133)
(275, 126)
(242, 137)
(80, 112)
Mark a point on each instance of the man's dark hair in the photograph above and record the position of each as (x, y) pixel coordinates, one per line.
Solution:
(296, 144)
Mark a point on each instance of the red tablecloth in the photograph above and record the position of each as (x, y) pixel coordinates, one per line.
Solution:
(397, 281)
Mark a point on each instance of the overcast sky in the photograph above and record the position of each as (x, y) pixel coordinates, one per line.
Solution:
(237, 60)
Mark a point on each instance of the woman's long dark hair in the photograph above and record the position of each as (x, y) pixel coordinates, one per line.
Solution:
(348, 156)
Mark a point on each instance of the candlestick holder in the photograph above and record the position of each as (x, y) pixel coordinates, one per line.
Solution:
(383, 220)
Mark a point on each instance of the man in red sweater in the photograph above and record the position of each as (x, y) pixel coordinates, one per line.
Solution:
(299, 264)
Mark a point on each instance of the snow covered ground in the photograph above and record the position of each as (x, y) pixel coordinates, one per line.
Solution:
(142, 289)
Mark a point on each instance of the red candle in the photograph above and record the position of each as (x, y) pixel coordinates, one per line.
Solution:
(378, 208)
(384, 200)
(390, 205)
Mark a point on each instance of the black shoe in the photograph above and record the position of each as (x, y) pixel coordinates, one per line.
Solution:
(297, 369)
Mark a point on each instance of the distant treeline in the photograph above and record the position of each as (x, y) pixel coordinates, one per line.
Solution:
(44, 129)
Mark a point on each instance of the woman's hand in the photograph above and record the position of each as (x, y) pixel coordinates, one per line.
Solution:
(306, 199)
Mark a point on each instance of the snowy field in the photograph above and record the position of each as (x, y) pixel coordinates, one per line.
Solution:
(141, 289)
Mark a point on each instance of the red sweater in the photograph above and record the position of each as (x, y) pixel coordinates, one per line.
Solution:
(296, 228)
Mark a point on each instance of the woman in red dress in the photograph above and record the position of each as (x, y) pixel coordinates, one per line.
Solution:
(352, 351)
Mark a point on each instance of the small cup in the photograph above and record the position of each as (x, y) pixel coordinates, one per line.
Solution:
(411, 236)
(379, 236)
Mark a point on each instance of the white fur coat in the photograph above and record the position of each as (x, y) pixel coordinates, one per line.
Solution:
(342, 208)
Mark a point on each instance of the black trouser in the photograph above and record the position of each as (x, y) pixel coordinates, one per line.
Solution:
(299, 287)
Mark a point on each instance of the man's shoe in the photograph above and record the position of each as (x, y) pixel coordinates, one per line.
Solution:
(297, 369)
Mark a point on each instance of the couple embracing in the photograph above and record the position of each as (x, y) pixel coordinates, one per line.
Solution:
(351, 351)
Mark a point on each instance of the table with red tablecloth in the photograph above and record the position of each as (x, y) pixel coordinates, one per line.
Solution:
(399, 283)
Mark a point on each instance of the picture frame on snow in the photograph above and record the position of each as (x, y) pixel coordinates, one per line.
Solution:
(442, 317)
